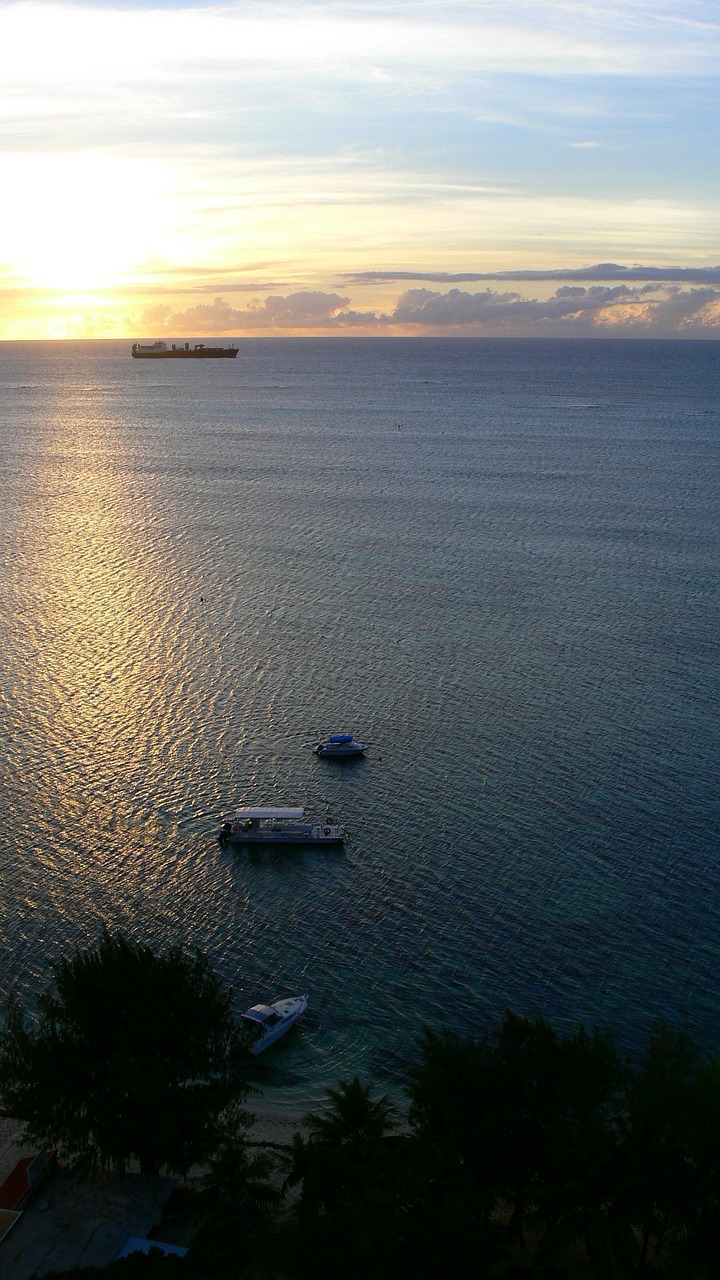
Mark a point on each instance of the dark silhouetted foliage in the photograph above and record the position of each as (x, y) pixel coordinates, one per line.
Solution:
(129, 1060)
(521, 1151)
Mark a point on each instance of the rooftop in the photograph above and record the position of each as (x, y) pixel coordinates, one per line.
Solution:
(72, 1223)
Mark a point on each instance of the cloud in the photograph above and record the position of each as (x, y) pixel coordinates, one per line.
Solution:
(301, 311)
(597, 310)
(54, 39)
(602, 271)
(572, 309)
(685, 312)
(186, 132)
(458, 308)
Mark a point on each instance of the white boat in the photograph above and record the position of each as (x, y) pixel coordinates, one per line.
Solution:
(340, 746)
(279, 826)
(266, 1023)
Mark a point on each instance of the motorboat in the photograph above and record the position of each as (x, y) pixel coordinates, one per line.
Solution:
(340, 746)
(279, 826)
(263, 1024)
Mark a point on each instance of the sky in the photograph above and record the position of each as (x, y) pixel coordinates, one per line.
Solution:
(184, 169)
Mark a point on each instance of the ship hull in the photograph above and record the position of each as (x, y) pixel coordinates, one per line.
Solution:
(204, 353)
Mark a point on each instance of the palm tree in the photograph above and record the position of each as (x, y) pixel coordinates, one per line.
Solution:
(234, 1208)
(344, 1148)
(236, 1184)
(354, 1119)
(349, 1168)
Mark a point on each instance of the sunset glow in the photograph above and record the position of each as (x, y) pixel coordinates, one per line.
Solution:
(77, 222)
(171, 166)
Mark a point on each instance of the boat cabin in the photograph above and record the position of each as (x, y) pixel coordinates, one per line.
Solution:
(262, 1014)
(274, 815)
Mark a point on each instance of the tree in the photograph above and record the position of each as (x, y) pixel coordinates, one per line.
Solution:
(670, 1142)
(698, 1241)
(234, 1211)
(583, 1195)
(130, 1058)
(354, 1121)
(451, 1112)
(488, 1108)
(519, 1125)
(236, 1185)
(455, 1154)
(346, 1143)
(348, 1171)
(527, 1103)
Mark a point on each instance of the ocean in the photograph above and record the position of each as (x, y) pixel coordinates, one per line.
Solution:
(497, 561)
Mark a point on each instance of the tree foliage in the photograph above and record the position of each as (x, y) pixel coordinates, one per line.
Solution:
(344, 1151)
(517, 1146)
(570, 1145)
(347, 1170)
(129, 1059)
(521, 1150)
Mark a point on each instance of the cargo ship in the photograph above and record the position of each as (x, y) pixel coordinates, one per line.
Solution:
(161, 351)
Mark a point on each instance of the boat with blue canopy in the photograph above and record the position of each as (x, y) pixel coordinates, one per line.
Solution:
(340, 746)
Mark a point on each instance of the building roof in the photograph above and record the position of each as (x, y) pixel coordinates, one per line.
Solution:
(82, 1223)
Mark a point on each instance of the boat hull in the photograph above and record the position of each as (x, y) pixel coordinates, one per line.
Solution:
(340, 746)
(289, 1011)
(281, 838)
(179, 353)
(284, 825)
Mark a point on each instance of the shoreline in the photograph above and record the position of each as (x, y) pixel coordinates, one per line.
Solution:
(272, 1125)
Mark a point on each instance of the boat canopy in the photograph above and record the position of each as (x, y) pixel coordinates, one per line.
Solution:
(262, 1013)
(340, 737)
(287, 814)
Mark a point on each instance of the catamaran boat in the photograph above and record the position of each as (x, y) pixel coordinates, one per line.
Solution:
(279, 826)
(340, 746)
(266, 1023)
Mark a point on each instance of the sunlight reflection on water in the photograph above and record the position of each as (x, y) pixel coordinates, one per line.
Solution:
(472, 555)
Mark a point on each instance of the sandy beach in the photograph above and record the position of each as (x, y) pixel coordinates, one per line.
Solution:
(10, 1151)
(271, 1125)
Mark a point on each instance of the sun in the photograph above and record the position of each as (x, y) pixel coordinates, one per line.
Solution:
(77, 222)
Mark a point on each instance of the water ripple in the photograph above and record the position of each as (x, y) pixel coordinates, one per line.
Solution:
(513, 598)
